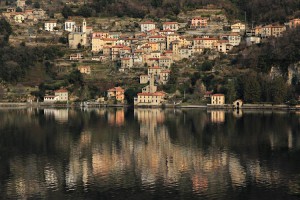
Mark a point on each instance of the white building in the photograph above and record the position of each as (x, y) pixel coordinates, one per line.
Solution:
(252, 40)
(50, 25)
(50, 98)
(69, 25)
(21, 3)
(147, 26)
(173, 26)
(238, 28)
(234, 39)
(62, 94)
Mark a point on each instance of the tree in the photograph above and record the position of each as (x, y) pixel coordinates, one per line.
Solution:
(76, 78)
(206, 66)
(2, 92)
(252, 90)
(231, 91)
(85, 11)
(18, 9)
(278, 90)
(129, 95)
(63, 40)
(79, 46)
(199, 89)
(5, 29)
(67, 11)
(37, 5)
(28, 2)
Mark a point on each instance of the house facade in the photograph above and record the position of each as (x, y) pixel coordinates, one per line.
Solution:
(50, 25)
(293, 23)
(238, 28)
(218, 99)
(173, 26)
(199, 22)
(147, 26)
(62, 94)
(84, 69)
(116, 93)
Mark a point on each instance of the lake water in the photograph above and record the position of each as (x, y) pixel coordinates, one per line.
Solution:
(149, 154)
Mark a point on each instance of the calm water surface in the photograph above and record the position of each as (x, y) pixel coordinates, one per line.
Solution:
(149, 154)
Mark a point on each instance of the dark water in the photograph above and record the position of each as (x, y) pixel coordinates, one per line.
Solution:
(149, 154)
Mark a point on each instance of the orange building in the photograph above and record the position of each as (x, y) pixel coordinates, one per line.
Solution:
(199, 22)
(294, 23)
(116, 93)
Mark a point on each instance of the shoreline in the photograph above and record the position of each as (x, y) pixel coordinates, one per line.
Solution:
(206, 107)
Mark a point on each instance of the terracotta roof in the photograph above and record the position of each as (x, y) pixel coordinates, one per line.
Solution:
(223, 41)
(154, 67)
(151, 94)
(153, 59)
(126, 48)
(116, 89)
(157, 36)
(82, 67)
(148, 22)
(110, 39)
(61, 91)
(205, 39)
(199, 18)
(117, 46)
(52, 21)
(218, 95)
(171, 23)
(164, 57)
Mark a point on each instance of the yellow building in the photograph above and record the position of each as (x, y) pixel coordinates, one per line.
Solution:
(84, 69)
(77, 38)
(62, 95)
(207, 43)
(19, 18)
(126, 63)
(238, 28)
(150, 99)
(218, 99)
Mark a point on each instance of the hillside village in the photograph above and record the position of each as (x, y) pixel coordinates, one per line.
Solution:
(140, 49)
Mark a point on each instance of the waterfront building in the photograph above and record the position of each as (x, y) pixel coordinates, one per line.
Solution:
(218, 99)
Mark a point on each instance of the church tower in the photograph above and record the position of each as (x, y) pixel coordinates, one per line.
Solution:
(83, 30)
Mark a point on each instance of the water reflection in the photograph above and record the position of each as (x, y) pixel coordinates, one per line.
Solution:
(217, 116)
(162, 153)
(60, 115)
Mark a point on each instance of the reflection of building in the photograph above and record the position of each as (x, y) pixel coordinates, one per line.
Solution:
(217, 116)
(116, 117)
(60, 115)
(237, 113)
(107, 158)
